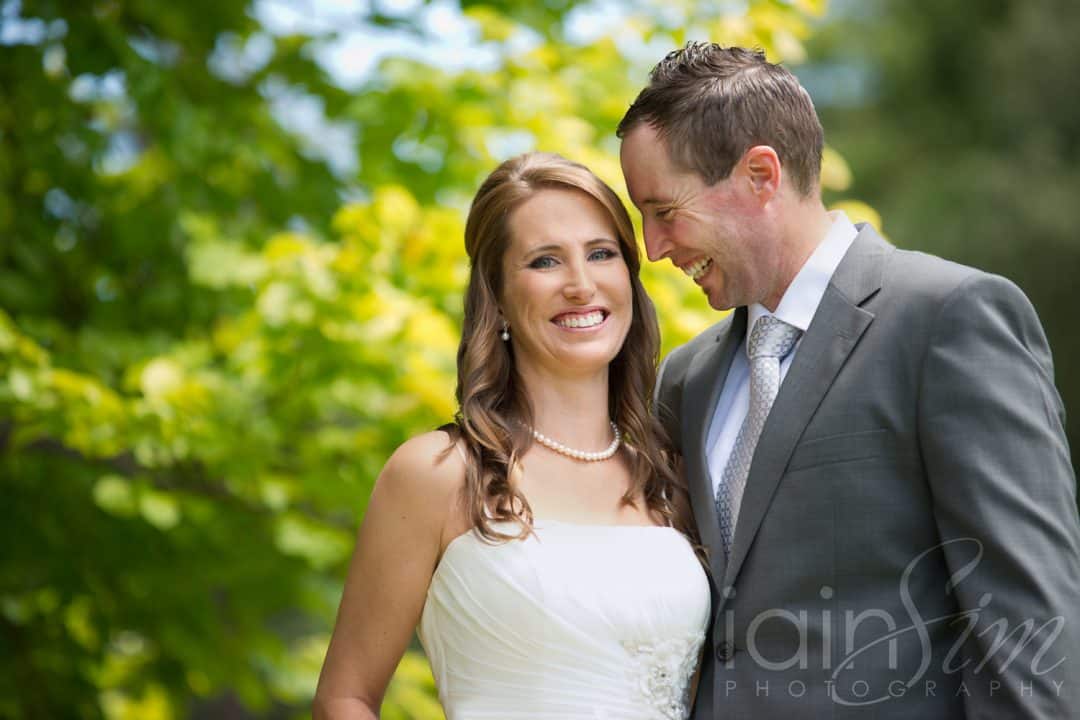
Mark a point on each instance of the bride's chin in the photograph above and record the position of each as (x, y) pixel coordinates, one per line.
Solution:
(586, 366)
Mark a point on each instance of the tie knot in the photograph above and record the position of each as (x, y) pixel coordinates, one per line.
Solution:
(772, 337)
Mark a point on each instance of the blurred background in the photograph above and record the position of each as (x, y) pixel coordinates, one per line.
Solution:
(231, 271)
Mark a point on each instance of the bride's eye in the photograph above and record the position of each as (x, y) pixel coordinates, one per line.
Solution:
(602, 254)
(542, 263)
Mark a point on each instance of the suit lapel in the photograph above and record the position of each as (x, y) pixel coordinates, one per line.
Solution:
(833, 334)
(704, 383)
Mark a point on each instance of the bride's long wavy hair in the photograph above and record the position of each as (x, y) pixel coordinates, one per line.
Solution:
(494, 409)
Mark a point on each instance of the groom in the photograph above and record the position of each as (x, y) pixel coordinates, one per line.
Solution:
(873, 442)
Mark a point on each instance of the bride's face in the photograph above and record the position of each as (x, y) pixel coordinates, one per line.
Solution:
(566, 286)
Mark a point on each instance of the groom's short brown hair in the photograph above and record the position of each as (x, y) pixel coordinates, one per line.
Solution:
(712, 103)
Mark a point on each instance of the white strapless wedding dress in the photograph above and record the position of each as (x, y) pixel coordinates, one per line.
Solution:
(580, 621)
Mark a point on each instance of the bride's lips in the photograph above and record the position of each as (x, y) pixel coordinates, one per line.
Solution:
(581, 314)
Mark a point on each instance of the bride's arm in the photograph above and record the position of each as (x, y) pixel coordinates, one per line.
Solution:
(397, 548)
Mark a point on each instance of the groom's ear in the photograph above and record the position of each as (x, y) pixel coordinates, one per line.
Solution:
(762, 169)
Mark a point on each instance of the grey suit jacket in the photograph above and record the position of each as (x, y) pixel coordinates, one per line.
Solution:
(908, 544)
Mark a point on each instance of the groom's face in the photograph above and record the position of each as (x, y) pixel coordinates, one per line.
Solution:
(713, 233)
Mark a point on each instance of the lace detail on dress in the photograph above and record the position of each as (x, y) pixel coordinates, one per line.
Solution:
(663, 671)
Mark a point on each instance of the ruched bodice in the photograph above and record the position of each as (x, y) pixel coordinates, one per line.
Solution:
(577, 621)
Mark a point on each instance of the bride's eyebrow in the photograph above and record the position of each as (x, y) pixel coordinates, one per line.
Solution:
(550, 247)
(601, 240)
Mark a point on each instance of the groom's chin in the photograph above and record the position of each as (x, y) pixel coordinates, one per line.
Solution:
(718, 303)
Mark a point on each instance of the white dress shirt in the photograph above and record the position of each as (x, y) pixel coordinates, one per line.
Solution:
(797, 308)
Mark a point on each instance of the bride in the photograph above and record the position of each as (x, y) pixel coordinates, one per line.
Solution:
(539, 544)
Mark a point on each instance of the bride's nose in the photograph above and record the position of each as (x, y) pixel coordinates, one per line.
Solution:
(580, 285)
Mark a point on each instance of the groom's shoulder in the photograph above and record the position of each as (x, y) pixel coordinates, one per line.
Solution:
(916, 275)
(917, 268)
(908, 275)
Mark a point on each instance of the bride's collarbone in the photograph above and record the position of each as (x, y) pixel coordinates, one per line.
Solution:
(543, 480)
(543, 465)
(565, 491)
(583, 498)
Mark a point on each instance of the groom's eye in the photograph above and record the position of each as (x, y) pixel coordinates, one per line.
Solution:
(663, 213)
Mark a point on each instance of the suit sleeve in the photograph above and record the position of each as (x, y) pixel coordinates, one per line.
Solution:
(660, 380)
(991, 431)
(667, 399)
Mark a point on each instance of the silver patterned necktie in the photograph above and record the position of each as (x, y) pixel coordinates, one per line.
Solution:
(770, 341)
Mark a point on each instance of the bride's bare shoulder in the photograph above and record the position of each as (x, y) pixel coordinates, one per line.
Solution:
(421, 484)
(426, 469)
(429, 459)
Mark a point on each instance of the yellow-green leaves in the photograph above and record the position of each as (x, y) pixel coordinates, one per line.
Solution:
(835, 173)
(493, 25)
(411, 695)
(151, 704)
(816, 8)
(161, 378)
(319, 545)
(221, 263)
(114, 494)
(159, 509)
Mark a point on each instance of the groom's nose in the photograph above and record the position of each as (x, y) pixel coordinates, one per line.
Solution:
(657, 242)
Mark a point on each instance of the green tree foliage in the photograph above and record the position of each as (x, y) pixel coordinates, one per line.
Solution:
(964, 121)
(213, 331)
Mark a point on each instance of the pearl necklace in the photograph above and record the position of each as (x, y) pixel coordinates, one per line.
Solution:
(579, 454)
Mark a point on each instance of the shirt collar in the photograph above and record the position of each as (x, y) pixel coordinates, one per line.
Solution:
(800, 302)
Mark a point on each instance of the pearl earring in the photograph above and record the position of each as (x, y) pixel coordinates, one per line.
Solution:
(505, 332)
